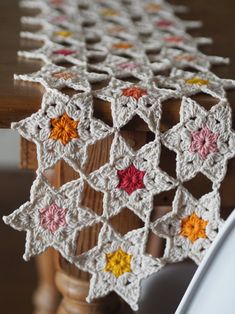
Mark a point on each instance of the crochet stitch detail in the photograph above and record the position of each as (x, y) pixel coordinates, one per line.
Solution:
(52, 217)
(130, 179)
(118, 262)
(204, 142)
(134, 92)
(193, 227)
(64, 129)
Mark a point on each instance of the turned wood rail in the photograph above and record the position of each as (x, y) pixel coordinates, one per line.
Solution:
(19, 100)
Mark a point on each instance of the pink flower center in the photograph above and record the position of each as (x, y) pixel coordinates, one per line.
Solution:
(57, 2)
(128, 65)
(134, 91)
(164, 23)
(130, 179)
(63, 52)
(52, 217)
(59, 19)
(204, 142)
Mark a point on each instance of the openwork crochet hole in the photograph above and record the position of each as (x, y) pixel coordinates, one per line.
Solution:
(121, 222)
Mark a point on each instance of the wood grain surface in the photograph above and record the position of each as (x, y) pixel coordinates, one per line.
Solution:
(19, 100)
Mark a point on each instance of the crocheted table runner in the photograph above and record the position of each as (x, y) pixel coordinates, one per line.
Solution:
(146, 41)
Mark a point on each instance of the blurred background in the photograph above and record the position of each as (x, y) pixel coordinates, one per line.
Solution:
(18, 281)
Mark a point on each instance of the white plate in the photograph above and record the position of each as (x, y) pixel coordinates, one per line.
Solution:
(212, 289)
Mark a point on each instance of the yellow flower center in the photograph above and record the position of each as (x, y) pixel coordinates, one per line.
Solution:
(64, 34)
(64, 129)
(118, 262)
(109, 12)
(193, 227)
(66, 75)
(197, 81)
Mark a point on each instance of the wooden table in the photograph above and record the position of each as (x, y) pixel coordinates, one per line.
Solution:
(18, 100)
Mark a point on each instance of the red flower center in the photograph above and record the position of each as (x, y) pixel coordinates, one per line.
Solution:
(130, 179)
(135, 92)
(63, 52)
(164, 23)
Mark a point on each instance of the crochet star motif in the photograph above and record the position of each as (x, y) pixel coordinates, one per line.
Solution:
(56, 53)
(121, 67)
(185, 42)
(118, 264)
(53, 76)
(62, 129)
(203, 140)
(129, 48)
(170, 23)
(191, 226)
(173, 58)
(52, 218)
(66, 7)
(130, 179)
(55, 34)
(190, 83)
(127, 100)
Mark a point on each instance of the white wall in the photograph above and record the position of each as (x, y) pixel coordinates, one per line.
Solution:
(9, 149)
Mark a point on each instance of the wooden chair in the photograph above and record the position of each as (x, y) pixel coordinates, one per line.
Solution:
(18, 100)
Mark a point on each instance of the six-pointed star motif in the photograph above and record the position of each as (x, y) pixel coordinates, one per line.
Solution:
(191, 83)
(57, 77)
(52, 218)
(160, 40)
(55, 18)
(203, 140)
(138, 266)
(131, 179)
(131, 48)
(128, 99)
(191, 226)
(173, 58)
(170, 23)
(121, 67)
(65, 6)
(62, 129)
(56, 53)
(56, 34)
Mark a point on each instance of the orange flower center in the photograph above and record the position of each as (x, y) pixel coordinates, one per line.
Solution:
(193, 227)
(185, 57)
(174, 39)
(118, 262)
(122, 45)
(135, 92)
(66, 75)
(64, 129)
